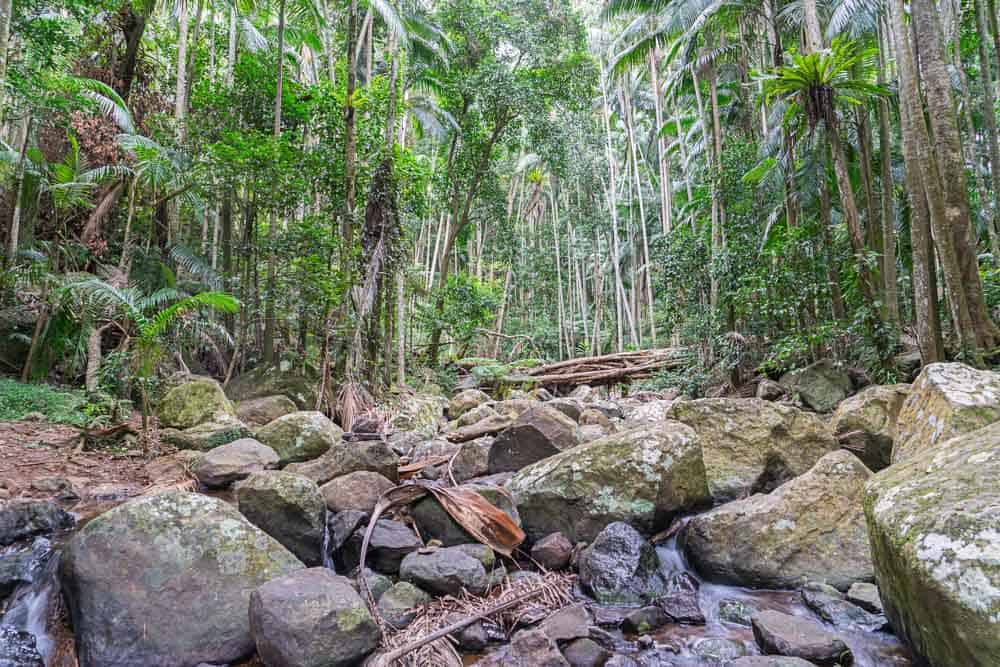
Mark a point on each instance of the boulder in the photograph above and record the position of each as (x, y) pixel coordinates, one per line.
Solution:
(21, 566)
(592, 417)
(571, 622)
(311, 618)
(718, 651)
(609, 409)
(264, 410)
(342, 525)
(536, 434)
(464, 401)
(797, 637)
(300, 436)
(232, 462)
(644, 476)
(444, 571)
(749, 445)
(649, 412)
(196, 402)
(399, 604)
(592, 432)
(476, 414)
(769, 390)
(18, 648)
(682, 607)
(735, 611)
(830, 605)
(208, 435)
(355, 491)
(20, 519)
(946, 400)
(568, 406)
(866, 423)
(389, 544)
(821, 385)
(527, 648)
(621, 567)
(433, 447)
(866, 596)
(434, 522)
(513, 408)
(344, 458)
(770, 661)
(809, 529)
(935, 541)
(585, 652)
(417, 413)
(552, 551)
(473, 459)
(645, 619)
(287, 507)
(276, 380)
(166, 580)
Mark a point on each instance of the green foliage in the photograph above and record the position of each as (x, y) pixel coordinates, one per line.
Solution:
(60, 406)
(468, 305)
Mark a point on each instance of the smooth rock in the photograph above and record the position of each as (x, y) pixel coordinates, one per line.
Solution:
(192, 403)
(355, 491)
(444, 571)
(568, 406)
(287, 507)
(464, 401)
(390, 542)
(620, 567)
(536, 434)
(866, 596)
(571, 622)
(399, 604)
(682, 607)
(718, 651)
(820, 385)
(829, 604)
(233, 461)
(866, 423)
(585, 653)
(770, 661)
(552, 551)
(208, 435)
(264, 410)
(473, 459)
(796, 637)
(528, 648)
(274, 380)
(645, 619)
(343, 458)
(475, 415)
(300, 436)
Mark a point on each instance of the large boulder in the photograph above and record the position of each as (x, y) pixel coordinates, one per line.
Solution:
(300, 436)
(390, 542)
(208, 435)
(275, 380)
(355, 491)
(945, 400)
(232, 462)
(809, 529)
(795, 637)
(866, 423)
(196, 402)
(287, 507)
(934, 524)
(445, 571)
(417, 413)
(537, 434)
(311, 618)
(464, 401)
(821, 385)
(166, 580)
(344, 458)
(621, 567)
(643, 476)
(434, 522)
(264, 410)
(749, 445)
(20, 519)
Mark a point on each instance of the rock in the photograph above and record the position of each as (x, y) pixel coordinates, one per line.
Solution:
(57, 487)
(796, 637)
(620, 567)
(935, 542)
(344, 458)
(417, 413)
(472, 638)
(20, 519)
(513, 408)
(274, 380)
(464, 401)
(399, 604)
(434, 523)
(472, 460)
(389, 544)
(287, 507)
(647, 413)
(769, 390)
(946, 400)
(585, 653)
(809, 529)
(172, 467)
(736, 612)
(537, 434)
(749, 445)
(166, 579)
(592, 417)
(377, 583)
(341, 525)
(584, 393)
(907, 364)
(192, 403)
(718, 651)
(528, 648)
(568, 406)
(829, 604)
(592, 432)
(18, 648)
(552, 551)
(20, 567)
(264, 410)
(432, 448)
(682, 607)
(609, 409)
(476, 414)
(866, 596)
(821, 385)
(541, 394)
(300, 436)
(311, 618)
(355, 491)
(866, 423)
(444, 571)
(233, 461)
(206, 436)
(645, 619)
(770, 661)
(643, 476)
(570, 622)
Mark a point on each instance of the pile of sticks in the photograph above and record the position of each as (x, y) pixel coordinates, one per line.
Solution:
(606, 369)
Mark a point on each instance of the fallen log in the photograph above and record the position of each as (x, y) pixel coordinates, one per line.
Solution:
(605, 369)
(488, 426)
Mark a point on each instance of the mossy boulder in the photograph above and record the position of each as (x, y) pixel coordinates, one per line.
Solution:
(934, 524)
(464, 401)
(300, 436)
(866, 423)
(417, 413)
(287, 507)
(276, 380)
(821, 385)
(264, 410)
(195, 402)
(946, 400)
(166, 580)
(232, 462)
(749, 445)
(207, 436)
(644, 477)
(344, 458)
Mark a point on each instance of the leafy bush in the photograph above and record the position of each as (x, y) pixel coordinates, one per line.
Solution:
(61, 406)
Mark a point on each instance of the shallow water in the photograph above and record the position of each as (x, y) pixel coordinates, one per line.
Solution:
(29, 606)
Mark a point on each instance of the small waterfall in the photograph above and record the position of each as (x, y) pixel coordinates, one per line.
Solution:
(327, 551)
(28, 608)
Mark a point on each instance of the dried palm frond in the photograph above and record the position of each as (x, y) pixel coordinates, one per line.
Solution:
(352, 400)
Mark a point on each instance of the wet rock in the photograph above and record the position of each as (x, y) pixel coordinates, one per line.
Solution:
(264, 410)
(355, 491)
(434, 523)
(552, 551)
(444, 571)
(233, 461)
(645, 619)
(311, 618)
(946, 400)
(570, 622)
(528, 648)
(796, 637)
(18, 648)
(718, 651)
(341, 525)
(621, 661)
(866, 596)
(821, 385)
(20, 519)
(736, 612)
(809, 529)
(343, 458)
(935, 542)
(749, 445)
(829, 604)
(866, 423)
(390, 542)
(585, 653)
(620, 567)
(464, 401)
(770, 661)
(287, 507)
(166, 579)
(682, 607)
(21, 566)
(537, 434)
(207, 436)
(399, 604)
(192, 403)
(300, 436)
(643, 477)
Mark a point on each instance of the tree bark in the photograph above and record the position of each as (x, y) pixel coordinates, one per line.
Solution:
(890, 288)
(989, 114)
(269, 311)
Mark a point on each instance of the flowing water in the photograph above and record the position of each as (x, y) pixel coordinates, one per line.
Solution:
(29, 607)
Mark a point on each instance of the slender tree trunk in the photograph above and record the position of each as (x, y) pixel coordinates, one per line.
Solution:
(989, 115)
(192, 53)
(231, 50)
(813, 33)
(832, 271)
(6, 14)
(351, 140)
(663, 160)
(15, 221)
(272, 295)
(180, 103)
(612, 197)
(888, 209)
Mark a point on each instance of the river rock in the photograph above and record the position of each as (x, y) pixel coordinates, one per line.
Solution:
(264, 410)
(585, 652)
(206, 436)
(399, 605)
(20, 519)
(769, 390)
(568, 406)
(866, 423)
(620, 567)
(592, 417)
(735, 611)
(344, 458)
(355, 491)
(866, 596)
(809, 529)
(18, 648)
(464, 401)
(417, 413)
(300, 436)
(342, 525)
(770, 661)
(166, 580)
(935, 540)
(718, 650)
(311, 618)
(513, 408)
(527, 648)
(276, 380)
(647, 413)
(821, 385)
(475, 415)
(749, 445)
(643, 476)
(552, 551)
(434, 522)
(796, 637)
(192, 403)
(571, 622)
(444, 571)
(537, 434)
(233, 461)
(945, 400)
(287, 507)
(473, 459)
(389, 544)
(830, 604)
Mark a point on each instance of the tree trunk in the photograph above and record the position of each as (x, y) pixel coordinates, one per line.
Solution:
(15, 221)
(180, 103)
(812, 32)
(989, 114)
(231, 51)
(663, 160)
(6, 14)
(269, 312)
(350, 134)
(133, 27)
(889, 286)
(832, 272)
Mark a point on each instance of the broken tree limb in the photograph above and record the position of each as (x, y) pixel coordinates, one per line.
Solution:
(603, 370)
(488, 426)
